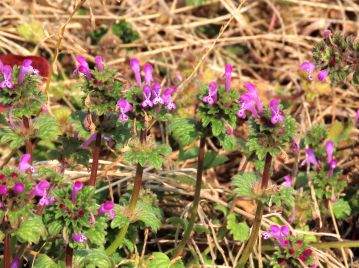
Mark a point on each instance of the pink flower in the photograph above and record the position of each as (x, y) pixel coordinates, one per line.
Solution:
(25, 69)
(7, 75)
(82, 68)
(125, 107)
(99, 63)
(309, 67)
(327, 33)
(78, 185)
(79, 237)
(24, 163)
(146, 92)
(287, 181)
(276, 114)
(322, 75)
(19, 187)
(3, 189)
(167, 99)
(211, 98)
(156, 94)
(148, 73)
(40, 189)
(107, 207)
(310, 158)
(228, 75)
(250, 102)
(329, 147)
(135, 66)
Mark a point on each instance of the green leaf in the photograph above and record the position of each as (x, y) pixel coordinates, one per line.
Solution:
(12, 139)
(94, 257)
(161, 260)
(31, 230)
(119, 221)
(244, 184)
(54, 227)
(48, 128)
(44, 261)
(149, 214)
(212, 159)
(341, 209)
(228, 143)
(217, 127)
(240, 231)
(221, 208)
(184, 131)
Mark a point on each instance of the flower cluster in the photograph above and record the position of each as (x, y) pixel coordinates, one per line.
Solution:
(292, 251)
(152, 94)
(7, 74)
(10, 185)
(310, 67)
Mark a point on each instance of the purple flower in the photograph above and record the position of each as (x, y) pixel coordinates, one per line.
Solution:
(79, 237)
(327, 33)
(78, 185)
(156, 94)
(279, 232)
(99, 63)
(179, 76)
(167, 99)
(295, 146)
(107, 207)
(45, 201)
(3, 189)
(125, 107)
(15, 263)
(332, 166)
(229, 130)
(287, 181)
(24, 163)
(82, 68)
(329, 147)
(276, 114)
(250, 102)
(309, 68)
(40, 189)
(266, 235)
(19, 187)
(135, 66)
(322, 75)
(25, 69)
(89, 140)
(310, 158)
(228, 75)
(146, 92)
(7, 74)
(211, 98)
(148, 73)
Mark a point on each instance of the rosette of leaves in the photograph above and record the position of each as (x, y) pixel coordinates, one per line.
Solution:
(147, 154)
(65, 218)
(265, 137)
(339, 55)
(25, 99)
(219, 119)
(17, 210)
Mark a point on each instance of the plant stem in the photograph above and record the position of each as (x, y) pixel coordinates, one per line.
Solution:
(132, 205)
(68, 256)
(7, 251)
(258, 217)
(95, 158)
(28, 143)
(193, 212)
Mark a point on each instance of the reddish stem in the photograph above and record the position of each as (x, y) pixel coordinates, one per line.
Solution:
(95, 158)
(68, 257)
(7, 254)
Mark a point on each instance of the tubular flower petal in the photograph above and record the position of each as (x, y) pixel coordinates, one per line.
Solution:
(329, 147)
(40, 189)
(82, 68)
(3, 189)
(99, 63)
(146, 92)
(125, 107)
(250, 102)
(310, 158)
(148, 73)
(7, 75)
(322, 75)
(167, 99)
(107, 207)
(19, 187)
(228, 75)
(78, 185)
(287, 181)
(135, 66)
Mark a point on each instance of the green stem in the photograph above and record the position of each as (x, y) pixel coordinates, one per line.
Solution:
(132, 205)
(28, 143)
(258, 217)
(193, 212)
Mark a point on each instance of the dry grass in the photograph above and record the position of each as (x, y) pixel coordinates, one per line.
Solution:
(265, 40)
